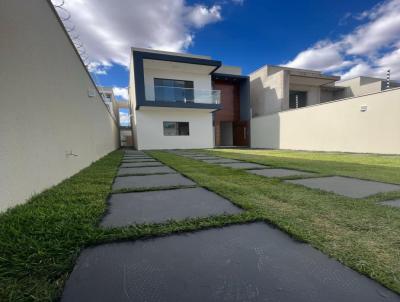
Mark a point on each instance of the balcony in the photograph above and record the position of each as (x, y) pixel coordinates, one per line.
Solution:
(166, 94)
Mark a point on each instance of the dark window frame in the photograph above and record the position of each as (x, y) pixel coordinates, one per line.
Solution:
(174, 95)
(181, 128)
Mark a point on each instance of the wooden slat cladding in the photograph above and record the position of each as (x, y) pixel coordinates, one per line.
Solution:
(230, 100)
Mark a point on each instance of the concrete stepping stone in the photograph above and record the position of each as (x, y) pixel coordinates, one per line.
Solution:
(346, 186)
(160, 206)
(243, 165)
(151, 181)
(138, 156)
(142, 164)
(221, 161)
(280, 172)
(131, 152)
(392, 203)
(253, 262)
(145, 170)
(138, 160)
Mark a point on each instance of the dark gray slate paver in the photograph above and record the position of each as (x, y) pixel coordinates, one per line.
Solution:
(137, 156)
(145, 170)
(392, 203)
(151, 181)
(134, 153)
(279, 172)
(160, 206)
(350, 187)
(221, 161)
(138, 160)
(141, 164)
(242, 165)
(253, 262)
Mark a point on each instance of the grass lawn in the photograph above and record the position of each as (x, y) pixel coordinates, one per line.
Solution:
(357, 232)
(40, 240)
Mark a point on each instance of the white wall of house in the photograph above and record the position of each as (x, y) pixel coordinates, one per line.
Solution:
(335, 126)
(150, 133)
(45, 112)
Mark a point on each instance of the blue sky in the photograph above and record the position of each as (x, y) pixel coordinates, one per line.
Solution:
(346, 38)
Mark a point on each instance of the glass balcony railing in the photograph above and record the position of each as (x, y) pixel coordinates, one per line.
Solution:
(184, 95)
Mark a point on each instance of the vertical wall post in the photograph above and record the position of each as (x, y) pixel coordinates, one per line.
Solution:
(388, 79)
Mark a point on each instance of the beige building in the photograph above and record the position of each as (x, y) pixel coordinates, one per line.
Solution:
(359, 86)
(276, 88)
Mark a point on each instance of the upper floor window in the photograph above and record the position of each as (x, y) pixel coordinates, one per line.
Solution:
(173, 90)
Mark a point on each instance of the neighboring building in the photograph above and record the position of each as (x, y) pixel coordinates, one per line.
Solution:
(125, 130)
(174, 99)
(359, 86)
(278, 88)
(110, 101)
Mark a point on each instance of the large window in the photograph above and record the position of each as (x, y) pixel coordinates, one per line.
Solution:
(173, 90)
(176, 128)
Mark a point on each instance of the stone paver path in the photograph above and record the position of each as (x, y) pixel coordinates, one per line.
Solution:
(392, 203)
(161, 206)
(151, 181)
(253, 262)
(247, 262)
(141, 164)
(279, 172)
(350, 187)
(145, 170)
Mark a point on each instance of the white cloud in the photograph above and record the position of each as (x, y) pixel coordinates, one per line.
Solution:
(124, 118)
(121, 92)
(109, 28)
(324, 55)
(200, 15)
(370, 49)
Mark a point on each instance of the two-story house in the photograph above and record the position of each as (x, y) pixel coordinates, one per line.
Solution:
(186, 101)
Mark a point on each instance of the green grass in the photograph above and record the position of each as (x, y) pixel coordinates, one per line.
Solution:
(40, 240)
(357, 232)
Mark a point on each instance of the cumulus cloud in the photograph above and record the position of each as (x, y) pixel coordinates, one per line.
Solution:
(200, 15)
(370, 49)
(121, 92)
(124, 118)
(109, 28)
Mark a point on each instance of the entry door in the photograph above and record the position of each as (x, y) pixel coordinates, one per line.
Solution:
(240, 134)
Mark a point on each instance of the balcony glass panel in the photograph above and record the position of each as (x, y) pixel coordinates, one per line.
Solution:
(185, 95)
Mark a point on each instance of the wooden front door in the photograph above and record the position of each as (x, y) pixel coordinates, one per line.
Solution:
(240, 134)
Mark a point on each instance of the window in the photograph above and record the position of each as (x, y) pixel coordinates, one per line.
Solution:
(301, 99)
(173, 90)
(176, 128)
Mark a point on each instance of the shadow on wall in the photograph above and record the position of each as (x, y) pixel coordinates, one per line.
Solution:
(264, 100)
(266, 132)
(265, 125)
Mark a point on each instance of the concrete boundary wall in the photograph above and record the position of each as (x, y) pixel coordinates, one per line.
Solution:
(53, 122)
(365, 124)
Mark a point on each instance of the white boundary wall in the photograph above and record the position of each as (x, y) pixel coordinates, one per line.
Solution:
(335, 126)
(45, 110)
